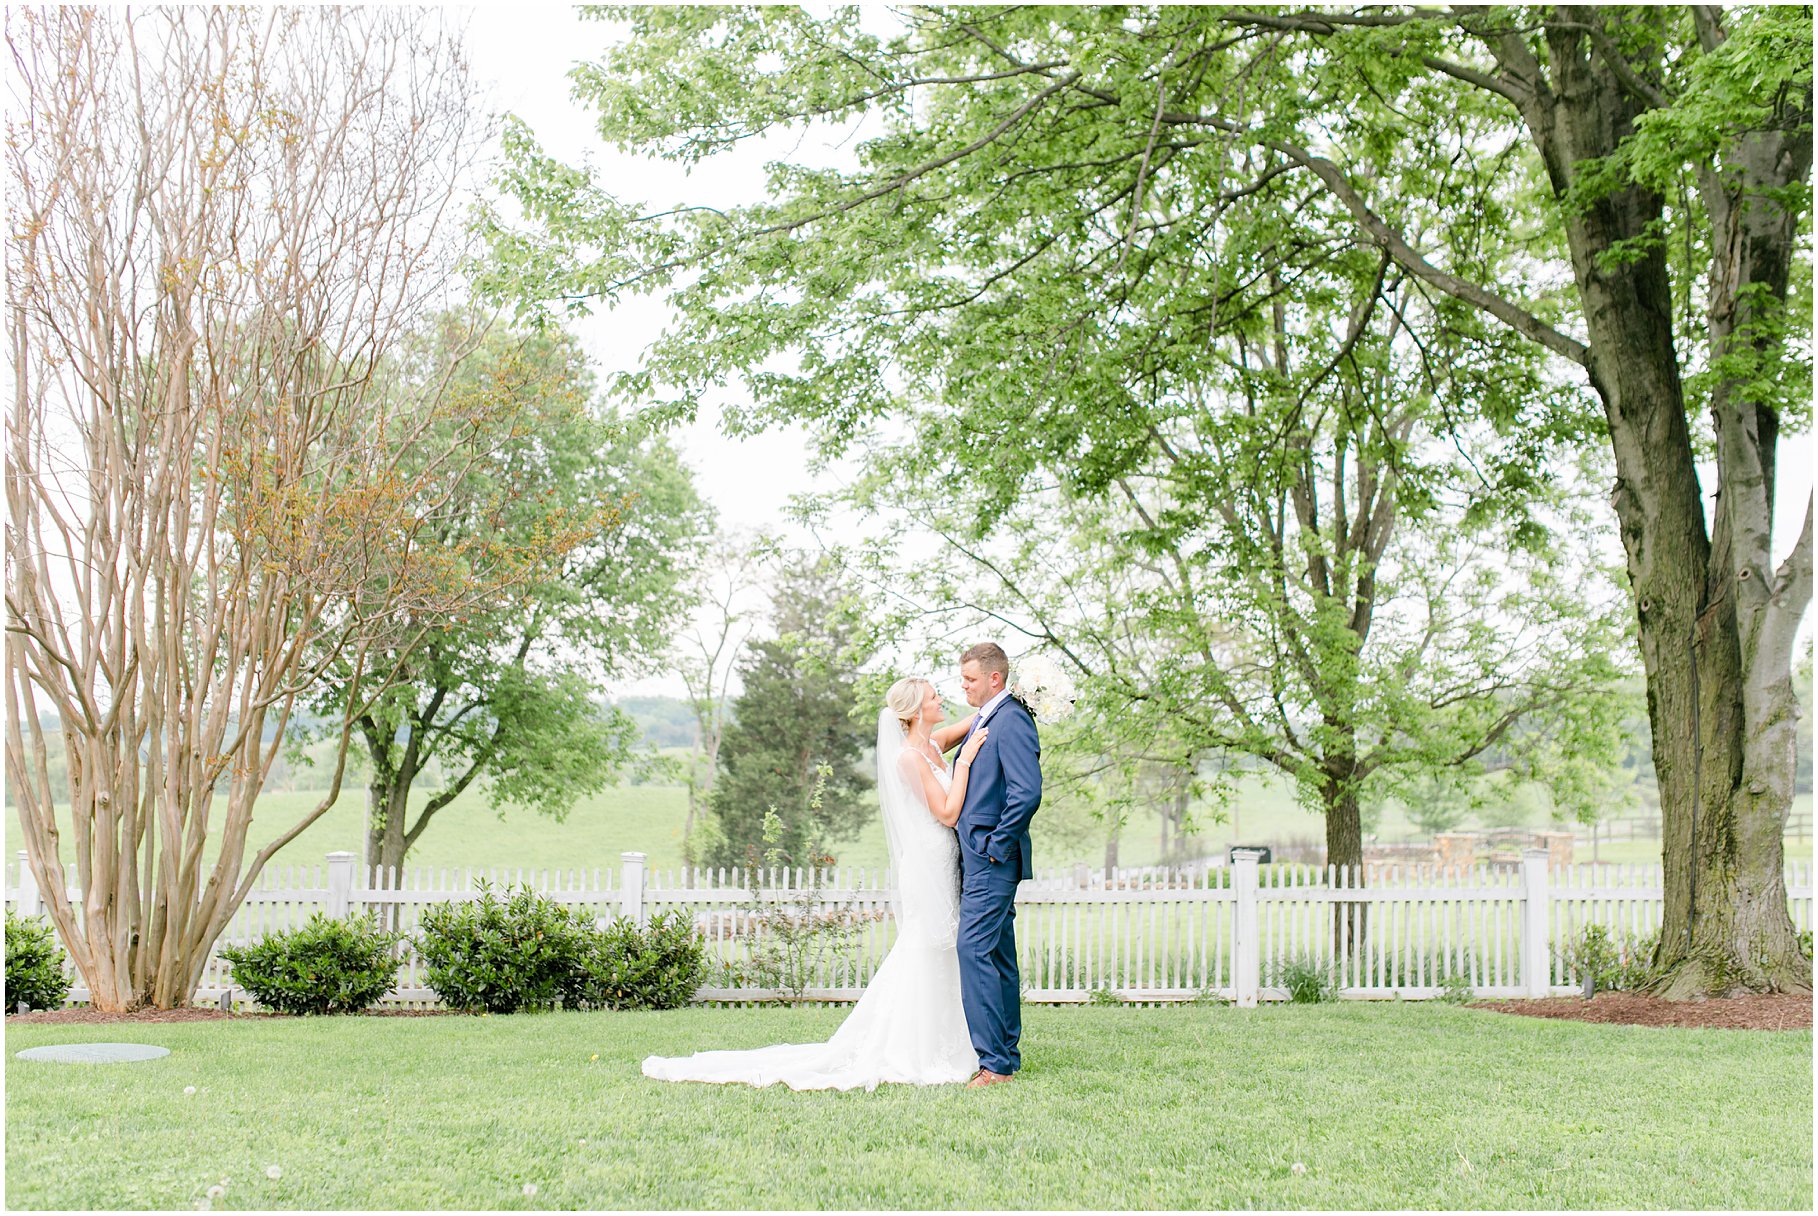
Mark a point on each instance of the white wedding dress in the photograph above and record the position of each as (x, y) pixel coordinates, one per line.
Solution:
(908, 1026)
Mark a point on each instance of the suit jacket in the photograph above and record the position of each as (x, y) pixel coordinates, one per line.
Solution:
(1004, 788)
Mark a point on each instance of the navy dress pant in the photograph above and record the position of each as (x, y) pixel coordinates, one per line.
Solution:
(990, 985)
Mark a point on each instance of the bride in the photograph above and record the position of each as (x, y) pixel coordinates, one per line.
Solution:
(909, 1025)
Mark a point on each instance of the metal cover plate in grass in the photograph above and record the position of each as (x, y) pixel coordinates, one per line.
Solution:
(94, 1053)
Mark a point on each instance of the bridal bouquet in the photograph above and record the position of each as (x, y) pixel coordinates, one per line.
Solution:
(1039, 683)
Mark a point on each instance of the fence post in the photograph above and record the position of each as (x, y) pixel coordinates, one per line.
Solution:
(340, 883)
(29, 902)
(631, 903)
(1246, 969)
(1535, 914)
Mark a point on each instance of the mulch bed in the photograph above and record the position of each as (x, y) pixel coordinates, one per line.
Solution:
(83, 1014)
(1776, 1012)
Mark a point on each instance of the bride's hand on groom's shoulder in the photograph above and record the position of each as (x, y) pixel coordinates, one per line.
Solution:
(973, 744)
(949, 737)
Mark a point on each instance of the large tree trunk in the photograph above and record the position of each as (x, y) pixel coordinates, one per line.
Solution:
(1743, 860)
(1344, 847)
(1724, 772)
(388, 805)
(387, 801)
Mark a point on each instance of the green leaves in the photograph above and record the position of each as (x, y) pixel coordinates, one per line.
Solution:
(34, 964)
(657, 967)
(328, 966)
(1758, 78)
(1616, 962)
(605, 517)
(502, 956)
(790, 943)
(792, 750)
(557, 745)
(529, 952)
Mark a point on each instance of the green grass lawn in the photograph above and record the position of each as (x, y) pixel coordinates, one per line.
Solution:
(1386, 1106)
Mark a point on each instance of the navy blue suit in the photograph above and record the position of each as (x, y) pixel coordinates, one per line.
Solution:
(1003, 790)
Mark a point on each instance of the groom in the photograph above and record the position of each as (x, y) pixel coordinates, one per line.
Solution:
(1002, 793)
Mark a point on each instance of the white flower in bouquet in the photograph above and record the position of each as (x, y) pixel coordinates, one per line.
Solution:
(1039, 683)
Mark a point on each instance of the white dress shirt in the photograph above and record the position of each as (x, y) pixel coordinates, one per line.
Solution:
(984, 711)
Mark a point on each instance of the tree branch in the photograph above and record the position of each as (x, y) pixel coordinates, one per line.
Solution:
(1512, 315)
(897, 183)
(1786, 607)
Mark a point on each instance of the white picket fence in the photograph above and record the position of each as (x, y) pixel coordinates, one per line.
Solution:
(1146, 935)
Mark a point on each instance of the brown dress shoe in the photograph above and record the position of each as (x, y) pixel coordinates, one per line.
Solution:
(987, 1077)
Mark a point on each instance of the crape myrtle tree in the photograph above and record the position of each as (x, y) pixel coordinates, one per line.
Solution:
(799, 710)
(511, 696)
(1045, 203)
(221, 224)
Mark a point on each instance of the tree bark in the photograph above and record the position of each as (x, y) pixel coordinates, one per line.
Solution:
(180, 553)
(1344, 847)
(1722, 727)
(387, 805)
(1715, 625)
(1173, 815)
(385, 846)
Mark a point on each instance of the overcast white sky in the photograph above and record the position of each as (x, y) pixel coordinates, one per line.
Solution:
(524, 51)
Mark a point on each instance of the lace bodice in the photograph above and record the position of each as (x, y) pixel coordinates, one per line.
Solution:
(926, 864)
(941, 772)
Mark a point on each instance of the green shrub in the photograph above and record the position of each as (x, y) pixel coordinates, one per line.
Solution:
(625, 967)
(1618, 962)
(1455, 990)
(791, 941)
(1104, 996)
(34, 964)
(1308, 980)
(1418, 969)
(329, 965)
(1397, 968)
(502, 956)
(1805, 943)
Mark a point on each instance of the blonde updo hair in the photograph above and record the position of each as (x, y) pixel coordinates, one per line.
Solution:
(905, 698)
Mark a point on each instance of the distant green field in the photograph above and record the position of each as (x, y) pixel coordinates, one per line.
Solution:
(650, 818)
